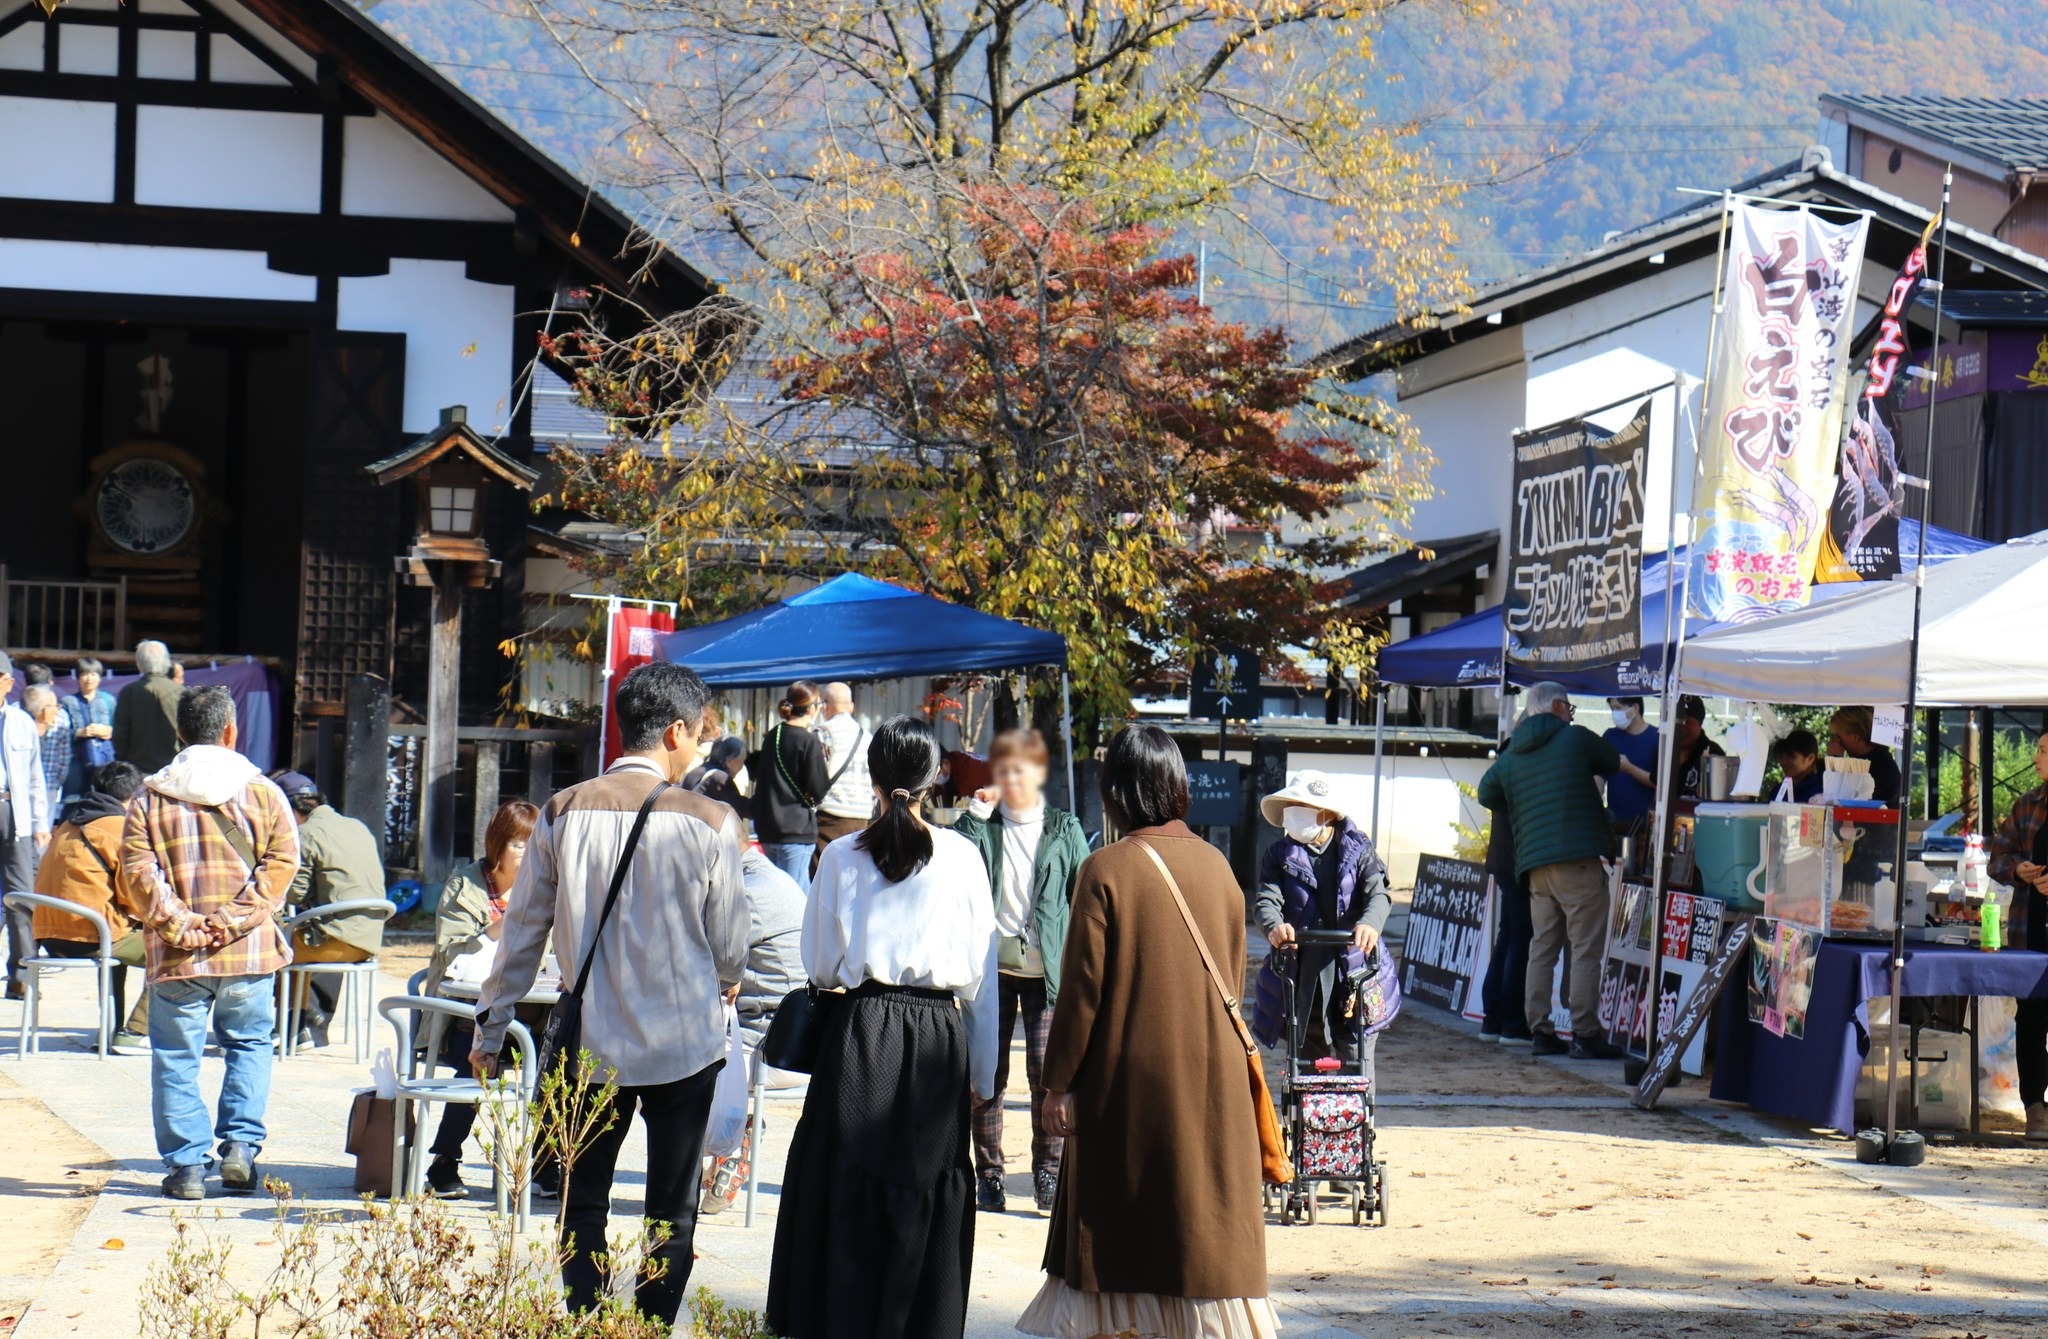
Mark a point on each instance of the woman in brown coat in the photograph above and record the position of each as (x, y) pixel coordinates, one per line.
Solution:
(1158, 1228)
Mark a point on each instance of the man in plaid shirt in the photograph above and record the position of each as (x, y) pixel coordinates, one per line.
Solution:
(208, 853)
(2017, 858)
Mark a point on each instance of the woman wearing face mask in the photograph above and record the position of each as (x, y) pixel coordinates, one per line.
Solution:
(1324, 875)
(1629, 791)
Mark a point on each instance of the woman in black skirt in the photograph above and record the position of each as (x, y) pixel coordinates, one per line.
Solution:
(875, 1237)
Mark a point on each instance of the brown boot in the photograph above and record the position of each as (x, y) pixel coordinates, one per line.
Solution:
(2037, 1120)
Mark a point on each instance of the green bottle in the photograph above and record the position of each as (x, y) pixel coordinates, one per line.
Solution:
(1991, 932)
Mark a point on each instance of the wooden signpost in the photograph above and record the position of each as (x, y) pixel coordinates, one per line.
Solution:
(1672, 1041)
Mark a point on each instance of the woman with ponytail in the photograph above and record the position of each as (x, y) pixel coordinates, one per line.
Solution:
(789, 780)
(876, 1231)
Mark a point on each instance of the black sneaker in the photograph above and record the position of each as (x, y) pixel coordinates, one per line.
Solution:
(444, 1179)
(547, 1182)
(238, 1169)
(1546, 1042)
(1595, 1048)
(988, 1194)
(1045, 1187)
(186, 1183)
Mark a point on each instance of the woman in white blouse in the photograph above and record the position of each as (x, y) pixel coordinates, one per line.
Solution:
(875, 1235)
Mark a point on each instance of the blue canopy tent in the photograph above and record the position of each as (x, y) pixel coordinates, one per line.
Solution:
(1467, 653)
(854, 627)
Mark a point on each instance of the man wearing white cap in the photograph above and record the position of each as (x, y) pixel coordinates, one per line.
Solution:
(1323, 875)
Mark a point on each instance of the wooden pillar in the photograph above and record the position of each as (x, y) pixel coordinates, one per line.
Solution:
(484, 796)
(366, 753)
(444, 672)
(540, 772)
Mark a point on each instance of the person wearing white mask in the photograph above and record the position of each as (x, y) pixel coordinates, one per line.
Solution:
(1323, 875)
(1629, 791)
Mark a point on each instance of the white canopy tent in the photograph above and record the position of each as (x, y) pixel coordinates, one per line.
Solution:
(1983, 641)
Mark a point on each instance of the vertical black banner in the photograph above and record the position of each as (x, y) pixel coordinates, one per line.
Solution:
(1575, 560)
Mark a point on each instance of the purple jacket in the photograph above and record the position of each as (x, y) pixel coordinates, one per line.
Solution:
(1287, 892)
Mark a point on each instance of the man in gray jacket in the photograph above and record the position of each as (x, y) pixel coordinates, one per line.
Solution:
(654, 1012)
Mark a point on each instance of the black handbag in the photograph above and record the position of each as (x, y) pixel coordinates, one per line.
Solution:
(797, 1031)
(562, 1038)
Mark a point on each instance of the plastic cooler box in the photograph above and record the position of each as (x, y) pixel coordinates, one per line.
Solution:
(1728, 848)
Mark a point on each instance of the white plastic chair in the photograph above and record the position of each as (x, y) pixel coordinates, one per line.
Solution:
(34, 965)
(762, 1094)
(420, 1084)
(358, 979)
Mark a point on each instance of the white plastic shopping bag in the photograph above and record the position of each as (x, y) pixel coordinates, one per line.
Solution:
(727, 1129)
(384, 1074)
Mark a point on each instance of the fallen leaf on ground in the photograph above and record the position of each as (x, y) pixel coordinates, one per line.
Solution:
(1504, 1283)
(1806, 1236)
(114, 1244)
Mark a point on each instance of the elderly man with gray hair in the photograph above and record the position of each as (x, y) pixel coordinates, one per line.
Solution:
(1548, 781)
(849, 800)
(146, 712)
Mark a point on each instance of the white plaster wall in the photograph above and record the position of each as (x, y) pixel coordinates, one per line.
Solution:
(52, 149)
(22, 49)
(1420, 806)
(265, 36)
(387, 171)
(91, 267)
(87, 50)
(204, 157)
(458, 338)
(1467, 426)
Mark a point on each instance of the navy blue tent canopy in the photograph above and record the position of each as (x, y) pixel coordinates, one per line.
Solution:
(856, 628)
(1466, 654)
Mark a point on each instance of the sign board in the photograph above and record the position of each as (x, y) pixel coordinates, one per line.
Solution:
(1225, 685)
(1672, 1042)
(1888, 726)
(1441, 962)
(1215, 794)
(1692, 930)
(1575, 557)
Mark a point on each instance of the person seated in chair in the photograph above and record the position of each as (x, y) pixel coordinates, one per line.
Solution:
(78, 867)
(470, 913)
(339, 861)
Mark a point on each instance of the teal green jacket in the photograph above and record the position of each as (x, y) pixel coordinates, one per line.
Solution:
(1061, 849)
(1545, 780)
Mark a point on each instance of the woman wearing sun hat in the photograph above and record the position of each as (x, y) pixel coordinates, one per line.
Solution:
(1322, 875)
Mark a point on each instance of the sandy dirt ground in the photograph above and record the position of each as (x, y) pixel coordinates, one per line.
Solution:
(1528, 1198)
(48, 1179)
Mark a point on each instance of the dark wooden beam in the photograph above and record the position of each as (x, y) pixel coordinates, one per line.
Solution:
(166, 92)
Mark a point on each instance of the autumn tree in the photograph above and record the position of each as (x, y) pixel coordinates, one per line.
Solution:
(1056, 431)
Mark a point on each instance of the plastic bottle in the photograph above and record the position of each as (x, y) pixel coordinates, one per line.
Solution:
(1990, 929)
(1975, 866)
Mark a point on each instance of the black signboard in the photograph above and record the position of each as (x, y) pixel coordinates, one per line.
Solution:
(1575, 557)
(1215, 794)
(1671, 1043)
(1446, 922)
(1225, 685)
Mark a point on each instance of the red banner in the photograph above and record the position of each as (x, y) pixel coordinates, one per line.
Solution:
(633, 631)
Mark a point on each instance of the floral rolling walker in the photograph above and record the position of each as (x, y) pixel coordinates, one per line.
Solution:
(1336, 1126)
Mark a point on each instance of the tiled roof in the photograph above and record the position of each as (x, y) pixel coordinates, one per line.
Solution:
(747, 397)
(2010, 131)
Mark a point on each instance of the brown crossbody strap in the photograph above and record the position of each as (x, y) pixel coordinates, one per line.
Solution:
(1202, 945)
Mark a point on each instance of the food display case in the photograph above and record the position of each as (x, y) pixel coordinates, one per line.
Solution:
(1830, 868)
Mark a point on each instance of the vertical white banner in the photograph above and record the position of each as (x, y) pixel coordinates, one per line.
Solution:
(1776, 383)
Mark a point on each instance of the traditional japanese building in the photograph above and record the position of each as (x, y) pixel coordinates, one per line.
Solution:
(248, 247)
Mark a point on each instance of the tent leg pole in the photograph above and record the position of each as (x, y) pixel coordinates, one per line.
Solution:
(1379, 753)
(1067, 733)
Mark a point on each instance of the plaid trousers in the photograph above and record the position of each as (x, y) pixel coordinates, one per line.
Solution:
(1025, 993)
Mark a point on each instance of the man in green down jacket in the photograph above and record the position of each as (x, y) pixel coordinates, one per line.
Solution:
(1547, 782)
(338, 862)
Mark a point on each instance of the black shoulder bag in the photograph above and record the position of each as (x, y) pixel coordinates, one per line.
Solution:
(562, 1038)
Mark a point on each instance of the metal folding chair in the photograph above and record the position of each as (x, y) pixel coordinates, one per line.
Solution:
(34, 966)
(358, 979)
(419, 1084)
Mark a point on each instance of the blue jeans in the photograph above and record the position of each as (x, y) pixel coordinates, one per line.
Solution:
(793, 859)
(244, 1012)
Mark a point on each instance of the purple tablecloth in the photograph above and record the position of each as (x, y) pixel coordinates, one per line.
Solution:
(1813, 1079)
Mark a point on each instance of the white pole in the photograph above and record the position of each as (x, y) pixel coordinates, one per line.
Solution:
(1067, 733)
(604, 696)
(1379, 752)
